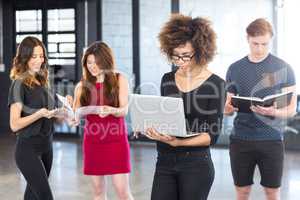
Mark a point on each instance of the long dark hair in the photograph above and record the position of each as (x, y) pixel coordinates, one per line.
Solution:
(104, 59)
(20, 63)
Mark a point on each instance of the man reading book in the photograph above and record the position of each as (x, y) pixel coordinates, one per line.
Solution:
(278, 100)
(257, 136)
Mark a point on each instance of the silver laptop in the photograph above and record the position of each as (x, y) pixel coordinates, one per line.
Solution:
(165, 114)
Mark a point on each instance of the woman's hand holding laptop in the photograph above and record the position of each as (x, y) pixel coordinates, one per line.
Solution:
(153, 134)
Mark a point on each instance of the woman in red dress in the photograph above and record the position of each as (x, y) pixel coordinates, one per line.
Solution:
(105, 144)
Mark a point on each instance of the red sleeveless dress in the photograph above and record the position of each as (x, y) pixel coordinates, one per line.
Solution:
(105, 143)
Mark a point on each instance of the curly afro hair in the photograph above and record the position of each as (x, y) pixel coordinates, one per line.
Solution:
(181, 29)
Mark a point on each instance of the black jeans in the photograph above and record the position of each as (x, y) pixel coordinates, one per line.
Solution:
(183, 176)
(34, 159)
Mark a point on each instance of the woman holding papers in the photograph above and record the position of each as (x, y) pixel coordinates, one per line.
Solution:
(105, 144)
(31, 117)
(184, 169)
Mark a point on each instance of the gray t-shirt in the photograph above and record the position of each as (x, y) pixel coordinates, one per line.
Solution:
(267, 77)
(32, 100)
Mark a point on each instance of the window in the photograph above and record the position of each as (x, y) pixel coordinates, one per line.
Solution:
(61, 20)
(21, 36)
(61, 36)
(61, 45)
(60, 32)
(28, 23)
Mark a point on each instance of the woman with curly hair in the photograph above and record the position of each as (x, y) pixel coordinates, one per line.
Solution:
(184, 169)
(32, 113)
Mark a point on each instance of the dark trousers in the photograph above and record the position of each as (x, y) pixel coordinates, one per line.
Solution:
(34, 159)
(183, 176)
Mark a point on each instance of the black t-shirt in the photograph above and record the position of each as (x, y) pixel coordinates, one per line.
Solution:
(203, 107)
(32, 100)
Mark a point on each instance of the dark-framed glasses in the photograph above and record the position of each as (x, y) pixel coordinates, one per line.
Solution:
(184, 58)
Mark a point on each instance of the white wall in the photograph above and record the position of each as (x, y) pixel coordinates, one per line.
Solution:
(230, 19)
(117, 32)
(288, 35)
(153, 14)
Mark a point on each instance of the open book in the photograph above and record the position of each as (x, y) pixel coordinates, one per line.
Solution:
(80, 112)
(244, 103)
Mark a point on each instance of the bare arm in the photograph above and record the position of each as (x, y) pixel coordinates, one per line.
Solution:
(200, 140)
(76, 104)
(290, 110)
(229, 109)
(77, 94)
(285, 112)
(17, 122)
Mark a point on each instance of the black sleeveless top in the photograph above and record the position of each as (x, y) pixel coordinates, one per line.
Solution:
(32, 100)
(203, 107)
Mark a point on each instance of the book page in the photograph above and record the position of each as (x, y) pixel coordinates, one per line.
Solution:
(80, 112)
(87, 110)
(70, 113)
(276, 95)
(64, 101)
(248, 98)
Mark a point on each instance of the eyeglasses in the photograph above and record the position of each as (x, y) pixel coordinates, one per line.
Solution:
(185, 58)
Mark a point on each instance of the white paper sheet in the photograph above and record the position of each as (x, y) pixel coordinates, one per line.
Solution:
(81, 111)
